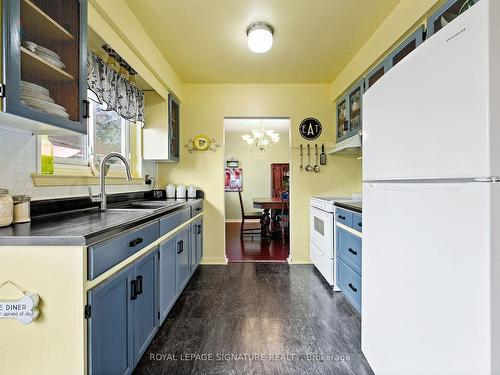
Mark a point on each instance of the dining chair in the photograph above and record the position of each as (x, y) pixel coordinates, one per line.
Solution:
(285, 217)
(250, 216)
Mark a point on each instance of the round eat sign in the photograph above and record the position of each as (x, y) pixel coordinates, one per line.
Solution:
(310, 128)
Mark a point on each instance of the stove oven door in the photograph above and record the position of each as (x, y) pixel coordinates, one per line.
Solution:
(322, 231)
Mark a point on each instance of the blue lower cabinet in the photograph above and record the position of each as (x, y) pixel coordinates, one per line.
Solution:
(199, 240)
(193, 259)
(182, 269)
(349, 254)
(196, 243)
(110, 326)
(350, 283)
(122, 318)
(357, 222)
(145, 317)
(167, 289)
(349, 249)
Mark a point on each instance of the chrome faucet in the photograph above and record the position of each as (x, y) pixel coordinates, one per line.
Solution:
(102, 178)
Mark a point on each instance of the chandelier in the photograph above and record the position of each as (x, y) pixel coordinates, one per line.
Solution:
(261, 138)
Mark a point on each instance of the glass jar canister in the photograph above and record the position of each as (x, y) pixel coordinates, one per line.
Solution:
(6, 208)
(21, 209)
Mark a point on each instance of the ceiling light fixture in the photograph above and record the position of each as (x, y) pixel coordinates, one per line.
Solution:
(260, 37)
(261, 138)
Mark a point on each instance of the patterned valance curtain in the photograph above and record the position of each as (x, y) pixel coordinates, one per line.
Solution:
(113, 91)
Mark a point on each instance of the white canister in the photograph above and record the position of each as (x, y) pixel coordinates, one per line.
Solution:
(171, 191)
(192, 191)
(6, 208)
(181, 192)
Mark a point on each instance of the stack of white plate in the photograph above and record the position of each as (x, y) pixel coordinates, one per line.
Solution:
(45, 53)
(38, 97)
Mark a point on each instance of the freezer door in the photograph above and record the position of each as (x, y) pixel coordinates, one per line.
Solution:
(428, 116)
(426, 281)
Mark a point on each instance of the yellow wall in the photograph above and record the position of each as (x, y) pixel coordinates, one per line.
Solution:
(256, 166)
(404, 19)
(114, 22)
(203, 111)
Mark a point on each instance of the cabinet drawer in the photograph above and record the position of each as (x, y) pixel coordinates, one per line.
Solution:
(343, 216)
(172, 221)
(196, 209)
(357, 222)
(349, 249)
(108, 254)
(322, 263)
(350, 283)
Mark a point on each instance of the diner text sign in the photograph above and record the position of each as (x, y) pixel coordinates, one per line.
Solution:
(25, 309)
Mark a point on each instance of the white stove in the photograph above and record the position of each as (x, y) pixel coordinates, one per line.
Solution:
(327, 203)
(323, 233)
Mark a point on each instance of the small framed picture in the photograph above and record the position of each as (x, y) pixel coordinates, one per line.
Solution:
(233, 179)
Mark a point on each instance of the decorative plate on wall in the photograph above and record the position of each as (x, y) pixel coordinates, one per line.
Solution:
(202, 142)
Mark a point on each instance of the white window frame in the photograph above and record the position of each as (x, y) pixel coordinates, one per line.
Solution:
(125, 151)
(91, 162)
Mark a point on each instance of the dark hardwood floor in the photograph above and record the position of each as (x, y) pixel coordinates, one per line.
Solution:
(244, 318)
(253, 249)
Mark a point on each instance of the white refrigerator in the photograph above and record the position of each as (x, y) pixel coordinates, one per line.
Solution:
(431, 205)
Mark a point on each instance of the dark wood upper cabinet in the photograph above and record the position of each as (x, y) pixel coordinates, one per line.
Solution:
(278, 176)
(45, 61)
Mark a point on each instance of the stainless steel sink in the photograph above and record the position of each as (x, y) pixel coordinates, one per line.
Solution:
(144, 205)
(156, 204)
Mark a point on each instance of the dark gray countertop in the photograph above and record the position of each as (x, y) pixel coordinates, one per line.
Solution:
(356, 206)
(82, 228)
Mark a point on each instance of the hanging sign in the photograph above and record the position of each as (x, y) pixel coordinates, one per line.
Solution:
(310, 128)
(25, 309)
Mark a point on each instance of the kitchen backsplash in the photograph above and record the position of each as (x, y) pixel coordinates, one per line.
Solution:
(18, 162)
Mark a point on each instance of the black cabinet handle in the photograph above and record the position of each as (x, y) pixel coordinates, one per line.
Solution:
(346, 125)
(199, 229)
(135, 242)
(353, 252)
(360, 225)
(139, 285)
(197, 209)
(341, 217)
(180, 247)
(355, 290)
(86, 109)
(133, 290)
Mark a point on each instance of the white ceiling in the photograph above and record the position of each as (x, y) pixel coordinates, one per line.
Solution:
(205, 41)
(245, 125)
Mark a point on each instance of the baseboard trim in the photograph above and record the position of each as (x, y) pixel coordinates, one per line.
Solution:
(214, 261)
(239, 221)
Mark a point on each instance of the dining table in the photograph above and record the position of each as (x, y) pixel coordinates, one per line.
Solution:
(269, 222)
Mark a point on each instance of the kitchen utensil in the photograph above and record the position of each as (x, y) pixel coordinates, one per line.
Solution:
(322, 157)
(181, 192)
(171, 191)
(301, 157)
(308, 166)
(316, 166)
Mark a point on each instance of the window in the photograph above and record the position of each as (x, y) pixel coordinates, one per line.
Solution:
(108, 132)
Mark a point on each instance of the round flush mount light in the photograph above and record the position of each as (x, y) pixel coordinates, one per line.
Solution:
(260, 37)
